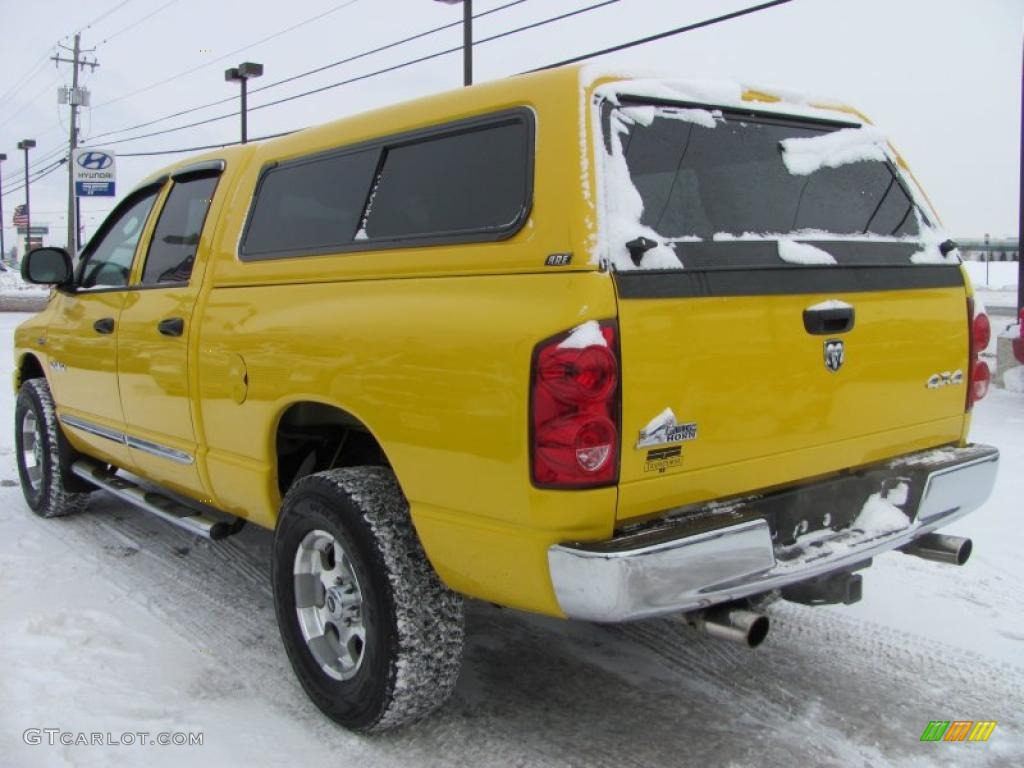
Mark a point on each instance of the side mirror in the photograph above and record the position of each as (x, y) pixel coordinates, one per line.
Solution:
(47, 266)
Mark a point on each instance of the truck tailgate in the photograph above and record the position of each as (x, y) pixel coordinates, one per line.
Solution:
(728, 394)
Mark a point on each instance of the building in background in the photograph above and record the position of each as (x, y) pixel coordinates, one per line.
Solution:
(988, 249)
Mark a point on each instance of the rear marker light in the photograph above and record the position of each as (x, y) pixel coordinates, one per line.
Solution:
(980, 332)
(981, 376)
(574, 410)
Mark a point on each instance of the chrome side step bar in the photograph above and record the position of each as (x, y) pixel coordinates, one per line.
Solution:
(164, 507)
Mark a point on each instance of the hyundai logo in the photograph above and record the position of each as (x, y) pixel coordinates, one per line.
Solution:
(95, 161)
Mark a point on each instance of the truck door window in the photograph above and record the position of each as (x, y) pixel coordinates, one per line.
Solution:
(172, 250)
(108, 262)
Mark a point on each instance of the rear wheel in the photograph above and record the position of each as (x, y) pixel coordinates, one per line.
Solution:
(44, 455)
(374, 637)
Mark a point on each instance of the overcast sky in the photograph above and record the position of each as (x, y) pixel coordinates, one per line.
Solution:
(941, 77)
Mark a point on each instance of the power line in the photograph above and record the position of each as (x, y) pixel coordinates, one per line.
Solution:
(105, 14)
(29, 102)
(435, 55)
(386, 47)
(44, 159)
(376, 73)
(37, 177)
(623, 46)
(211, 62)
(309, 72)
(662, 35)
(137, 22)
(29, 74)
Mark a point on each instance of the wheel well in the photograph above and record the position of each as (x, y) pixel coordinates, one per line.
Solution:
(30, 368)
(312, 437)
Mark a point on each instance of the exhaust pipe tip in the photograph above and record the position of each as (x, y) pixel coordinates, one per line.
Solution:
(758, 631)
(729, 622)
(963, 552)
(953, 550)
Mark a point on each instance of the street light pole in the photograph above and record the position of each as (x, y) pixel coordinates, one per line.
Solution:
(26, 145)
(3, 251)
(245, 111)
(242, 74)
(467, 38)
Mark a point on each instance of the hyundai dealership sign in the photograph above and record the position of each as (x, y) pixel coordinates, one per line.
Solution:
(94, 172)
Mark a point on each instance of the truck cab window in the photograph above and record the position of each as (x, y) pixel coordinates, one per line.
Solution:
(108, 263)
(172, 250)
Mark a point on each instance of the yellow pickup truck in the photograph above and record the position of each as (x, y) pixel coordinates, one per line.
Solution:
(581, 343)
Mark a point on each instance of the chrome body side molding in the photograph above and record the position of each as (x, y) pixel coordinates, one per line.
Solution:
(155, 449)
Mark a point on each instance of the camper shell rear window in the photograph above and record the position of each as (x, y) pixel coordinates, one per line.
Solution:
(726, 188)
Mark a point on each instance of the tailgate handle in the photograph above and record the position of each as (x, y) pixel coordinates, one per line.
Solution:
(826, 322)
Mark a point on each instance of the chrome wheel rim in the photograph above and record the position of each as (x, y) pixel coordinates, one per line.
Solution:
(329, 604)
(32, 448)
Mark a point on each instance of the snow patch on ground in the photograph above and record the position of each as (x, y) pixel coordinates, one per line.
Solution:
(11, 284)
(112, 620)
(793, 252)
(1013, 379)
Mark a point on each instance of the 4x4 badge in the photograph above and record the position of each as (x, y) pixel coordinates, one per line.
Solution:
(835, 354)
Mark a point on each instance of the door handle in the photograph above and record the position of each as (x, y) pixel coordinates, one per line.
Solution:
(104, 325)
(172, 326)
(827, 321)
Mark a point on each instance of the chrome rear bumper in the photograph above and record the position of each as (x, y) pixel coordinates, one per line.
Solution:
(673, 568)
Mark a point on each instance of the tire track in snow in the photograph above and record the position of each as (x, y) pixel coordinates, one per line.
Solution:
(825, 689)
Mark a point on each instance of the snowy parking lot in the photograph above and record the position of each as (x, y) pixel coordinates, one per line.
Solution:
(115, 623)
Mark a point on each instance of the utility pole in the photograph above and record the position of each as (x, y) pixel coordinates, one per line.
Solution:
(75, 98)
(1020, 205)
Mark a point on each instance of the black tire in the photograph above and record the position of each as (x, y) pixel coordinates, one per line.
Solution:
(50, 488)
(413, 624)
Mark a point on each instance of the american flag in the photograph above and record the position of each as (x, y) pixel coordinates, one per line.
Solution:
(21, 215)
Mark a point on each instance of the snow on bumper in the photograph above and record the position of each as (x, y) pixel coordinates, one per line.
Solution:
(696, 561)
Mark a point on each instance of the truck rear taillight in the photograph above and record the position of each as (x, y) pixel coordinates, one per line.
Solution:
(574, 408)
(979, 374)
